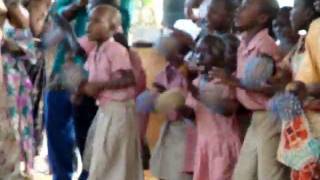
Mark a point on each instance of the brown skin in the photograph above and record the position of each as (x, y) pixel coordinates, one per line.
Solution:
(100, 29)
(18, 16)
(250, 19)
(219, 18)
(301, 16)
(39, 10)
(175, 56)
(71, 11)
(284, 32)
(188, 9)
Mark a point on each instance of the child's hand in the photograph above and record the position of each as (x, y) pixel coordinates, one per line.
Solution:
(91, 89)
(298, 88)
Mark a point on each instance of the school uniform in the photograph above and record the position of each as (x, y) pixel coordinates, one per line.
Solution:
(115, 142)
(309, 73)
(258, 156)
(172, 142)
(218, 140)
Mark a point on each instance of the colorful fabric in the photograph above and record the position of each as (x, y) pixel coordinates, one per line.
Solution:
(262, 43)
(18, 91)
(105, 62)
(298, 148)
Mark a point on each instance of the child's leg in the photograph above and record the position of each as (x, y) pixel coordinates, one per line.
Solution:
(268, 132)
(246, 167)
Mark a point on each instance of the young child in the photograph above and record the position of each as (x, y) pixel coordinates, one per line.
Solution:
(304, 14)
(115, 153)
(285, 34)
(18, 47)
(218, 142)
(258, 155)
(173, 132)
(220, 19)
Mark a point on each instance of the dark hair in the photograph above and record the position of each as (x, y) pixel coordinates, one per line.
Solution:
(231, 41)
(232, 44)
(230, 5)
(121, 38)
(310, 4)
(215, 44)
(285, 11)
(270, 8)
(185, 39)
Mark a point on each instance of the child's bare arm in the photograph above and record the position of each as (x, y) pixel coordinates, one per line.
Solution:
(314, 90)
(70, 12)
(122, 79)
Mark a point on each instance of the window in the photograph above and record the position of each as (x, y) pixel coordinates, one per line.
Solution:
(285, 3)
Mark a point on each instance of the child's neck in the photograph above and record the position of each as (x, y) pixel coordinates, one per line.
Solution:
(250, 34)
(218, 31)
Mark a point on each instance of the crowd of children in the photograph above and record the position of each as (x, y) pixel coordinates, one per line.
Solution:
(247, 57)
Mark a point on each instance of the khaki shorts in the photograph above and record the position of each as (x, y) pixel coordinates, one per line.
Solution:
(258, 156)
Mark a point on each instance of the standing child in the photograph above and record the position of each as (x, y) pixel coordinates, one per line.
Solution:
(258, 156)
(306, 13)
(285, 34)
(172, 141)
(115, 153)
(218, 142)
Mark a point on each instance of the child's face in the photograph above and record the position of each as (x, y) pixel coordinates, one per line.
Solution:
(218, 17)
(300, 16)
(99, 27)
(282, 27)
(38, 13)
(207, 60)
(247, 15)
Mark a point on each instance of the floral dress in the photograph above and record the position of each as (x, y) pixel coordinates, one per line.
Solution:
(16, 128)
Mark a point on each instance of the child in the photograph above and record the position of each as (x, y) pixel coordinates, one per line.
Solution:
(303, 13)
(173, 133)
(220, 17)
(18, 47)
(258, 155)
(218, 142)
(115, 153)
(283, 31)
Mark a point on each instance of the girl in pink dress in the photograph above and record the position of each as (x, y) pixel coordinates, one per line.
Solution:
(218, 141)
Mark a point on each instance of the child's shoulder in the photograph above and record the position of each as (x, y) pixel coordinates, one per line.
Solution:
(113, 46)
(314, 29)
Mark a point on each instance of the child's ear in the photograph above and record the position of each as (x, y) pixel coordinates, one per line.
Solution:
(263, 19)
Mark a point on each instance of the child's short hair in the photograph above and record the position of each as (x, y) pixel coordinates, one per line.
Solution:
(112, 14)
(215, 44)
(270, 8)
(230, 5)
(285, 11)
(310, 4)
